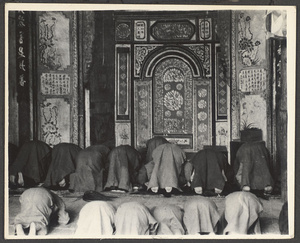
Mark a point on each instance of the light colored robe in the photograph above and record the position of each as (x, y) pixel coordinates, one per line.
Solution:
(200, 216)
(38, 205)
(241, 213)
(133, 218)
(96, 219)
(152, 144)
(170, 219)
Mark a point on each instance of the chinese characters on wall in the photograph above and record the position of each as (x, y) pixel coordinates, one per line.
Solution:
(22, 52)
(253, 80)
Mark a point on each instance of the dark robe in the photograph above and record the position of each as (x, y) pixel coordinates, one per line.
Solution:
(242, 210)
(152, 144)
(284, 220)
(168, 165)
(200, 216)
(170, 220)
(90, 169)
(38, 205)
(33, 160)
(12, 153)
(252, 166)
(208, 165)
(124, 167)
(63, 163)
(133, 218)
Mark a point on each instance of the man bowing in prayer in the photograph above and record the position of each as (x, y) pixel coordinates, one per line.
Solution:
(168, 167)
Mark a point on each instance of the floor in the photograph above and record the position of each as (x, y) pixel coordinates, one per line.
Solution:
(74, 202)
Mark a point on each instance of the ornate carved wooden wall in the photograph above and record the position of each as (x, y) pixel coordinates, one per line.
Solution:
(170, 62)
(57, 72)
(123, 88)
(250, 75)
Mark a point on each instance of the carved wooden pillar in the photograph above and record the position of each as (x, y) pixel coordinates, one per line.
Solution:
(86, 33)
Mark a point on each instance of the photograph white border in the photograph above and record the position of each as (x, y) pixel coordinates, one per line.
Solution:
(291, 97)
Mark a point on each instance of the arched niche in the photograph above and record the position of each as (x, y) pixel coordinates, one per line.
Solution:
(163, 53)
(173, 99)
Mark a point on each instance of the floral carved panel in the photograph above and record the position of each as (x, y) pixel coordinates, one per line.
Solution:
(55, 121)
(203, 52)
(140, 53)
(251, 37)
(254, 111)
(222, 135)
(123, 31)
(54, 40)
(123, 133)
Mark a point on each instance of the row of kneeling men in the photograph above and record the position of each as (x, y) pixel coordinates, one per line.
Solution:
(198, 215)
(165, 167)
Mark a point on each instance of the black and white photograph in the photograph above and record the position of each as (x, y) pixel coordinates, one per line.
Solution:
(149, 121)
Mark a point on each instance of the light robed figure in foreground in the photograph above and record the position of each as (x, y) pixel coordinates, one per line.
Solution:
(170, 219)
(134, 218)
(38, 207)
(96, 219)
(242, 214)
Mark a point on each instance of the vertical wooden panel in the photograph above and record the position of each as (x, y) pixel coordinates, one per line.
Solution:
(140, 30)
(55, 119)
(235, 120)
(205, 29)
(123, 133)
(202, 113)
(12, 85)
(222, 134)
(22, 75)
(123, 85)
(142, 113)
(74, 56)
(221, 88)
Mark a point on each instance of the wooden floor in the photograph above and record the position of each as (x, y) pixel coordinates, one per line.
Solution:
(74, 202)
